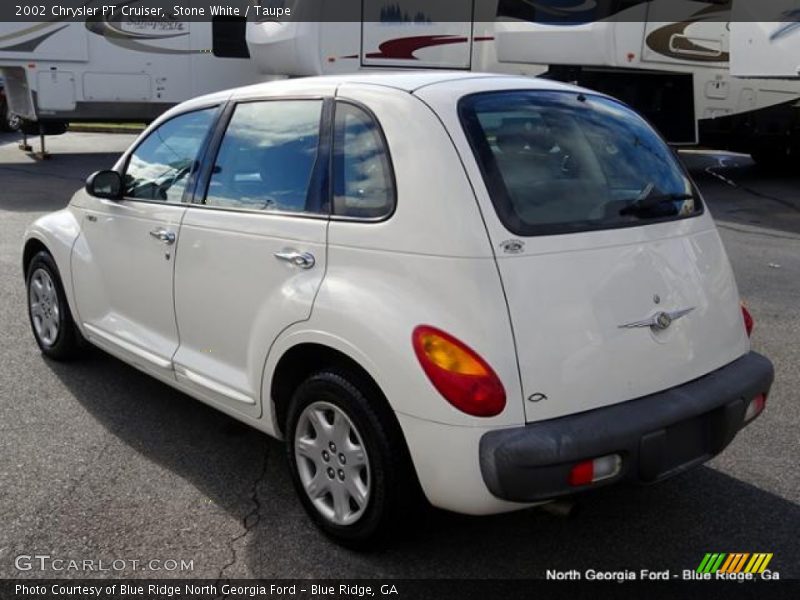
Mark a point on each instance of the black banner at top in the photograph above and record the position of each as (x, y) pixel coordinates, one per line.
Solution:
(402, 11)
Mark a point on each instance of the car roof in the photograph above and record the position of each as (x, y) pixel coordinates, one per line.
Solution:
(402, 80)
(409, 81)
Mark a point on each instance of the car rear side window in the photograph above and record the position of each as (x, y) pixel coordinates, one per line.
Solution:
(363, 184)
(267, 157)
(159, 167)
(561, 162)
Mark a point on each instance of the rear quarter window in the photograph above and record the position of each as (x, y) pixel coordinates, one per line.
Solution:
(363, 181)
(562, 162)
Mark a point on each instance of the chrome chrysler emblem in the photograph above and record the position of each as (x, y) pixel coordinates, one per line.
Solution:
(659, 321)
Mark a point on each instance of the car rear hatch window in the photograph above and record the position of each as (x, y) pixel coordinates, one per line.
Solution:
(563, 162)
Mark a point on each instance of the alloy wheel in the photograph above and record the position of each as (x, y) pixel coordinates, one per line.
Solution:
(44, 306)
(332, 463)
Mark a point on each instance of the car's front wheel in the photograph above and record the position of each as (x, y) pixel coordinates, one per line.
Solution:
(51, 320)
(348, 461)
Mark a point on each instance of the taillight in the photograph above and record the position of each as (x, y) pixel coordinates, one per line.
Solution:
(459, 374)
(748, 320)
(755, 407)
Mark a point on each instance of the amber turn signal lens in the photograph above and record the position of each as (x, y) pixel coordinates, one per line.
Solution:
(459, 374)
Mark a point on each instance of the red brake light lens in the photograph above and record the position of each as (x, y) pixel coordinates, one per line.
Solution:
(595, 469)
(749, 323)
(458, 373)
(755, 407)
(581, 474)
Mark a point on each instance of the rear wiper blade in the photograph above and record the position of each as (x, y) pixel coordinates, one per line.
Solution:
(648, 202)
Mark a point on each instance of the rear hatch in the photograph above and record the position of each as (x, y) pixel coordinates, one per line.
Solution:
(617, 283)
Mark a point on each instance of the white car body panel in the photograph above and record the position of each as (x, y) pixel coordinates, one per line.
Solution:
(131, 308)
(445, 293)
(233, 297)
(57, 232)
(453, 481)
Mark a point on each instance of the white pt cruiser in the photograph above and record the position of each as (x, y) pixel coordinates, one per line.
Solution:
(497, 289)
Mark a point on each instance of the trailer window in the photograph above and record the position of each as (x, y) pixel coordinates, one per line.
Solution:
(561, 162)
(564, 13)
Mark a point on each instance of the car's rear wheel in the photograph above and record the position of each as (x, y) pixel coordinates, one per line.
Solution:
(348, 460)
(51, 320)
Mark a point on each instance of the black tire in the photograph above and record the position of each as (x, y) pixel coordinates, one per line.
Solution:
(394, 490)
(68, 343)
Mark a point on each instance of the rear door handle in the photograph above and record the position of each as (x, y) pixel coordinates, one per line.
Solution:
(165, 235)
(304, 260)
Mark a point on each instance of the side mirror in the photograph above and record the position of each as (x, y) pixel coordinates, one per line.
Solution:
(105, 184)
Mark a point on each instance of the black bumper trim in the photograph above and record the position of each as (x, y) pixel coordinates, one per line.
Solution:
(657, 436)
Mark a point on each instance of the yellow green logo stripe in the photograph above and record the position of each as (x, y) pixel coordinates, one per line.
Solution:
(711, 562)
(735, 562)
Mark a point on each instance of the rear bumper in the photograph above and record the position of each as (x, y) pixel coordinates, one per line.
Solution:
(657, 436)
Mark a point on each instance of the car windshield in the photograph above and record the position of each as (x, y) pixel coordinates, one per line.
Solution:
(562, 162)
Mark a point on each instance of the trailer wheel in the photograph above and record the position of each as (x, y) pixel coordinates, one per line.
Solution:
(14, 122)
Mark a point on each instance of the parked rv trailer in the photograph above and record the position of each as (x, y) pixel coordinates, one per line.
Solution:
(768, 49)
(670, 59)
(765, 39)
(117, 70)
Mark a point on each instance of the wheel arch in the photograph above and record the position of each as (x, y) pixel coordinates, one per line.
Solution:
(31, 248)
(55, 234)
(303, 355)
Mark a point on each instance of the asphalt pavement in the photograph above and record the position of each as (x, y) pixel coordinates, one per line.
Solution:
(101, 462)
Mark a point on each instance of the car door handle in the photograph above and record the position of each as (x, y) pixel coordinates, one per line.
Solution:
(304, 260)
(165, 235)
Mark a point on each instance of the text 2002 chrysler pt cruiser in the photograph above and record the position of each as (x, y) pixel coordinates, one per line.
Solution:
(499, 289)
